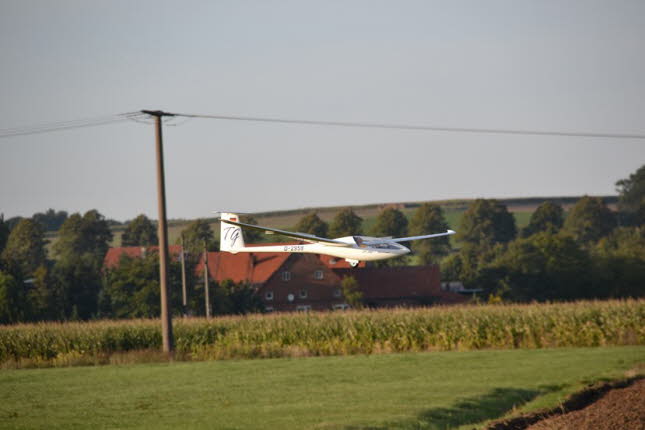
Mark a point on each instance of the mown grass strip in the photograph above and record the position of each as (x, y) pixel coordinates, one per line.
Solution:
(436, 390)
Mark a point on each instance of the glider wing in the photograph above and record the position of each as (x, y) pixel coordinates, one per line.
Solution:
(428, 236)
(408, 239)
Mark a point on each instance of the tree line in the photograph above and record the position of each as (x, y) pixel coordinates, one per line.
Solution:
(589, 252)
(592, 252)
(73, 284)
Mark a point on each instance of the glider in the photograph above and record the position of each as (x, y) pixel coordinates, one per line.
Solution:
(352, 248)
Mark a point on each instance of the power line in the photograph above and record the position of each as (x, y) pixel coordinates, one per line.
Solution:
(142, 116)
(69, 125)
(416, 127)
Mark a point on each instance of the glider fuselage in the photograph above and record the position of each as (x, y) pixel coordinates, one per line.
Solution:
(353, 252)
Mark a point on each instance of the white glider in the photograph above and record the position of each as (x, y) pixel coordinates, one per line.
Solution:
(352, 248)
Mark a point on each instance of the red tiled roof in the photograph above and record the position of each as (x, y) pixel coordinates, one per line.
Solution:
(255, 268)
(113, 255)
(266, 264)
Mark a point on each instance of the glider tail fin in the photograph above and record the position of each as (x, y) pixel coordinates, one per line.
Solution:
(231, 239)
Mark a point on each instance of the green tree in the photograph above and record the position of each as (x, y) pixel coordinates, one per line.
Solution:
(589, 220)
(351, 292)
(312, 224)
(485, 223)
(25, 249)
(469, 263)
(140, 232)
(547, 217)
(70, 240)
(132, 288)
(39, 296)
(627, 241)
(346, 223)
(97, 234)
(619, 263)
(76, 276)
(13, 221)
(428, 219)
(81, 235)
(631, 199)
(76, 286)
(230, 298)
(541, 267)
(4, 233)
(11, 299)
(390, 222)
(195, 235)
(51, 220)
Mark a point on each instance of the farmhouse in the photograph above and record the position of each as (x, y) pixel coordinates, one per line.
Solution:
(301, 282)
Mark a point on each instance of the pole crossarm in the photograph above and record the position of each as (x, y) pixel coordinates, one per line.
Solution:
(157, 113)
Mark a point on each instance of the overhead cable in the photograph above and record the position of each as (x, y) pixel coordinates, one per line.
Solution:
(68, 125)
(140, 116)
(567, 133)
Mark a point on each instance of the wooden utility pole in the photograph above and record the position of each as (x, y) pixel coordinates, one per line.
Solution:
(166, 321)
(184, 293)
(206, 292)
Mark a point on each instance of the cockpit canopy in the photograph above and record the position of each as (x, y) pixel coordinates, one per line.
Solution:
(374, 242)
(384, 245)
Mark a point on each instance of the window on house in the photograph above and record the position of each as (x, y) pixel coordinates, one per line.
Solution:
(303, 308)
(318, 274)
(340, 307)
(268, 295)
(332, 261)
(337, 292)
(268, 308)
(286, 275)
(303, 294)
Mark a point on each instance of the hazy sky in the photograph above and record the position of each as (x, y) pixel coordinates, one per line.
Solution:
(542, 65)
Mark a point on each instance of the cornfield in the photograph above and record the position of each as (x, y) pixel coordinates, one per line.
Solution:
(578, 324)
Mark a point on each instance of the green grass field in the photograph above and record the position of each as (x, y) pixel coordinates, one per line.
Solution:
(436, 390)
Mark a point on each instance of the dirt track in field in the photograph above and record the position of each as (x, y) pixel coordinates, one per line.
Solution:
(609, 406)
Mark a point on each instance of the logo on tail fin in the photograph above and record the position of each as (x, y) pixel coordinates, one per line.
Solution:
(231, 235)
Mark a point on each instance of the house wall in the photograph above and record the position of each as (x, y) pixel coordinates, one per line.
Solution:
(401, 286)
(301, 269)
